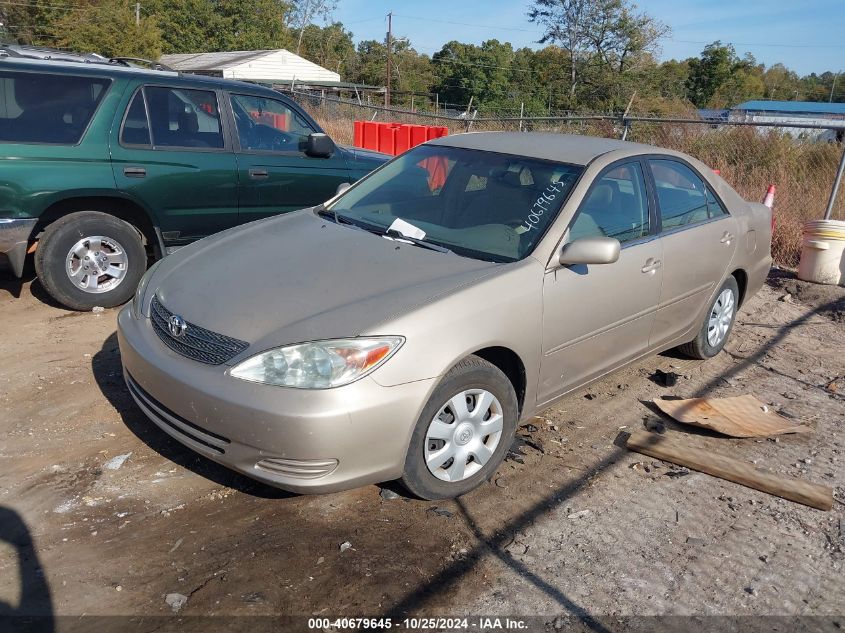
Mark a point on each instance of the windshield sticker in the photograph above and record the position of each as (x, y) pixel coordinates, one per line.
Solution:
(543, 204)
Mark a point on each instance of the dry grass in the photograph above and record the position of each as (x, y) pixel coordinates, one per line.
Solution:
(748, 158)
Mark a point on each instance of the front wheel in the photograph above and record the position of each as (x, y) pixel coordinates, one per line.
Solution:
(463, 433)
(89, 259)
(718, 323)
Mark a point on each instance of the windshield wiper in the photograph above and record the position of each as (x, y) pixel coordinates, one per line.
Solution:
(398, 235)
(323, 212)
(391, 233)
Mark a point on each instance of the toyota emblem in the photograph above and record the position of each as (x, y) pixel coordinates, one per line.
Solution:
(176, 325)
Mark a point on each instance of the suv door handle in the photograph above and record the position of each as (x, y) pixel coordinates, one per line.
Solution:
(257, 174)
(727, 238)
(651, 265)
(134, 172)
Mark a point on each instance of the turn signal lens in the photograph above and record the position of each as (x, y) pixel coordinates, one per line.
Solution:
(319, 364)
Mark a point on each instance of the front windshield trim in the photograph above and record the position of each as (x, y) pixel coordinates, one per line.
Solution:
(577, 171)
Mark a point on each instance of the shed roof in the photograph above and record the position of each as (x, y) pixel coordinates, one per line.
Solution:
(270, 65)
(793, 107)
(211, 61)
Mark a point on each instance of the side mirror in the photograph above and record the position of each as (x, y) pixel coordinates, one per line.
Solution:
(341, 188)
(590, 250)
(319, 145)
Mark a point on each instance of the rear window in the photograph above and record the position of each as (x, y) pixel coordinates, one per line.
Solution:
(38, 108)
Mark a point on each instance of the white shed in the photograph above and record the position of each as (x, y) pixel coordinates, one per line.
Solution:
(271, 66)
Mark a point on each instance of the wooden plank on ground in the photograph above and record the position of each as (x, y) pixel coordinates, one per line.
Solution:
(744, 473)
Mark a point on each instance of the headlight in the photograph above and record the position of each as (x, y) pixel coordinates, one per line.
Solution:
(319, 364)
(138, 300)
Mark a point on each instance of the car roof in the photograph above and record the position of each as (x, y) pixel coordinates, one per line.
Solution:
(564, 148)
(54, 66)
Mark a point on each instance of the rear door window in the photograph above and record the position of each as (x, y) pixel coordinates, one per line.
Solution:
(681, 194)
(55, 109)
(183, 118)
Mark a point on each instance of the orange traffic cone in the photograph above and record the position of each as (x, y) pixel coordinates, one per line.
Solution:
(769, 199)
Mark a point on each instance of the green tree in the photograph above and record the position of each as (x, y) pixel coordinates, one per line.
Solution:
(783, 84)
(303, 12)
(483, 73)
(709, 72)
(604, 38)
(33, 22)
(329, 46)
(189, 26)
(109, 28)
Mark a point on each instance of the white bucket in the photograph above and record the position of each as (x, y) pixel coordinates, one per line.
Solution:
(823, 252)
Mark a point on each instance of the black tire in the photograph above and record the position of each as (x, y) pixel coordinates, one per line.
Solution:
(51, 259)
(700, 347)
(471, 373)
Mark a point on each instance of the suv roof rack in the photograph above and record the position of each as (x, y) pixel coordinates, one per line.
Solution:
(136, 61)
(54, 54)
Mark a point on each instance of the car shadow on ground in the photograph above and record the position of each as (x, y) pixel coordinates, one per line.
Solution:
(17, 287)
(108, 373)
(34, 612)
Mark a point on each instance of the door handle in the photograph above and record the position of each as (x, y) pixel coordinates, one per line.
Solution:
(134, 172)
(651, 265)
(257, 174)
(727, 238)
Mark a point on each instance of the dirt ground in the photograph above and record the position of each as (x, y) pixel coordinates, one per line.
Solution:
(102, 514)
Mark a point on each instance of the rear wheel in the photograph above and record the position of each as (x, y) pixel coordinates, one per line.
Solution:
(718, 323)
(89, 259)
(463, 433)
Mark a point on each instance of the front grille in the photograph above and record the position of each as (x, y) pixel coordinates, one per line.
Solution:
(196, 343)
(163, 416)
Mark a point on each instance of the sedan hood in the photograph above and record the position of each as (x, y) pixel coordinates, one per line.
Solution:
(300, 277)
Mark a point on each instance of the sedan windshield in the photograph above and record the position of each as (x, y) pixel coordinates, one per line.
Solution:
(484, 205)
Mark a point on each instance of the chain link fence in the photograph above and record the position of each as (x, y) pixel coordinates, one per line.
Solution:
(749, 156)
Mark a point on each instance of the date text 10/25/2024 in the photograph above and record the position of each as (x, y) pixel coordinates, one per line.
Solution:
(420, 623)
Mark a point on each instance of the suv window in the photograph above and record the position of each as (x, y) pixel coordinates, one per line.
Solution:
(136, 128)
(38, 108)
(269, 125)
(680, 193)
(182, 118)
(616, 206)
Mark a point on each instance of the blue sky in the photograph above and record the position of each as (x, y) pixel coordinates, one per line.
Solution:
(806, 35)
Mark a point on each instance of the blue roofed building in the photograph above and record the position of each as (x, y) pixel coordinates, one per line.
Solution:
(789, 113)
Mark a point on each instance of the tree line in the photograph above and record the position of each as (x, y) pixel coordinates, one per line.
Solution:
(596, 55)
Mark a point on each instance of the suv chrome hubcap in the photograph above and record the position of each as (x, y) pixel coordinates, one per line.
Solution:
(464, 434)
(96, 264)
(720, 317)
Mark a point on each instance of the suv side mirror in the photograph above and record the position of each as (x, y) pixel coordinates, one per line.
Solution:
(319, 145)
(590, 250)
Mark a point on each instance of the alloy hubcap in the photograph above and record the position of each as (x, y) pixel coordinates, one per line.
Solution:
(464, 434)
(721, 317)
(96, 264)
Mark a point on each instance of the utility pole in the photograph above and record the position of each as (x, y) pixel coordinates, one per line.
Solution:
(389, 46)
(832, 87)
(137, 14)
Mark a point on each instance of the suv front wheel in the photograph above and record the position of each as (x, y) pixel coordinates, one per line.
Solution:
(89, 259)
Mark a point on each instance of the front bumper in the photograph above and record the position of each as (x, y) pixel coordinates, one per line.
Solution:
(14, 238)
(305, 441)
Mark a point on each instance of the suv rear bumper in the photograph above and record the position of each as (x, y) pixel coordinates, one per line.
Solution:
(14, 237)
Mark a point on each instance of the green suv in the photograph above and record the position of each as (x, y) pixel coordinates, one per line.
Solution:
(105, 164)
